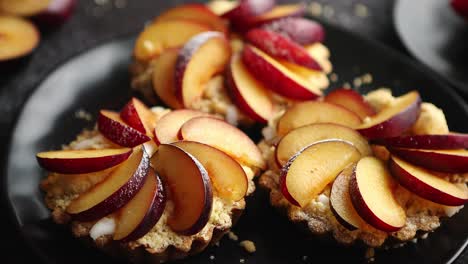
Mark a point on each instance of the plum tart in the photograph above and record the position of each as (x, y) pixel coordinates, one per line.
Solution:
(365, 168)
(150, 184)
(243, 60)
(158, 184)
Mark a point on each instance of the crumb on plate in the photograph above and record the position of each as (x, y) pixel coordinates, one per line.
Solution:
(248, 245)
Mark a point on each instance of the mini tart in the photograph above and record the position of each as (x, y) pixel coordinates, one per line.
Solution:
(158, 245)
(317, 216)
(216, 97)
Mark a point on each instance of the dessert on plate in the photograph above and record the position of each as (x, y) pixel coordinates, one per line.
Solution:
(370, 168)
(243, 60)
(158, 184)
(151, 184)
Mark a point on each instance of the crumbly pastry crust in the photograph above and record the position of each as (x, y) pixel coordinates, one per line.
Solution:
(317, 217)
(161, 243)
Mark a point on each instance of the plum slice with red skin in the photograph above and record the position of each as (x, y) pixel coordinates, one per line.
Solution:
(141, 213)
(394, 120)
(114, 191)
(340, 201)
(189, 186)
(309, 171)
(450, 161)
(114, 128)
(446, 141)
(82, 161)
(209, 51)
(281, 47)
(56, 13)
(350, 100)
(301, 30)
(245, 9)
(277, 77)
(372, 194)
(425, 184)
(197, 12)
(247, 92)
(276, 13)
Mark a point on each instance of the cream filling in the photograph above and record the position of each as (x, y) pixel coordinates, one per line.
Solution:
(103, 227)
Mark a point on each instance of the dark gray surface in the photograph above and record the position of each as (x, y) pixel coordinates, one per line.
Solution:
(436, 36)
(93, 24)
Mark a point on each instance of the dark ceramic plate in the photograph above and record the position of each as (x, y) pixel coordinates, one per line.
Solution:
(99, 79)
(436, 35)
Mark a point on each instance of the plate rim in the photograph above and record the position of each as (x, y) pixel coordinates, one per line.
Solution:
(5, 197)
(455, 83)
(12, 216)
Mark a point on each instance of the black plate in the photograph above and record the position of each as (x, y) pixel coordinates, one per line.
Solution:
(99, 79)
(436, 35)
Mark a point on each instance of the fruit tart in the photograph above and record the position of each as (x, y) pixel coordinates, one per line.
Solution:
(243, 60)
(373, 168)
(151, 184)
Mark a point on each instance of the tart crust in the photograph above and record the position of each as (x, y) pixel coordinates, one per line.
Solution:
(138, 253)
(158, 245)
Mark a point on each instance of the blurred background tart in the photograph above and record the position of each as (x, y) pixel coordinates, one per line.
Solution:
(243, 60)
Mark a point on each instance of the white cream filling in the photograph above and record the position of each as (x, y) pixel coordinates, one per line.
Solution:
(103, 227)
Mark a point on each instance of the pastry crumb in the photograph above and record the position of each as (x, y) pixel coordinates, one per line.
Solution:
(315, 9)
(334, 77)
(370, 253)
(357, 82)
(367, 78)
(83, 114)
(425, 235)
(248, 245)
(304, 258)
(398, 245)
(328, 11)
(363, 79)
(241, 260)
(431, 120)
(361, 10)
(212, 257)
(120, 4)
(233, 236)
(232, 115)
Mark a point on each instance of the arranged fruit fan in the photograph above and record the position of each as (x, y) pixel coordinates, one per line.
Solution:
(152, 160)
(328, 143)
(18, 35)
(268, 55)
